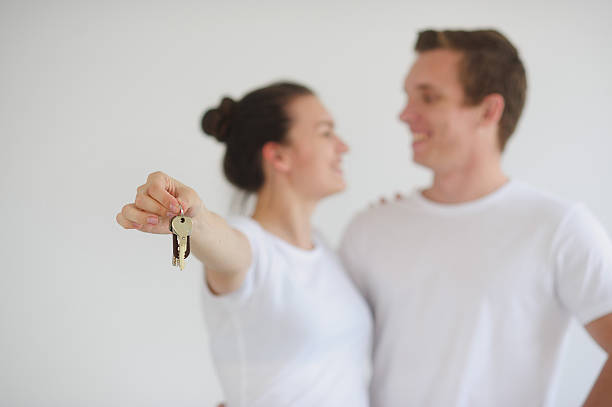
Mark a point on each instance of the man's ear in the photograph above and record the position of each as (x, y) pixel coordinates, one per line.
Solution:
(275, 155)
(493, 108)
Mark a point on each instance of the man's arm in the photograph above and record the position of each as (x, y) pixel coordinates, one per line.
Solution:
(601, 393)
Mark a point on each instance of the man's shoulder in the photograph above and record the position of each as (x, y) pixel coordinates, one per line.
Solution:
(384, 208)
(370, 223)
(380, 215)
(526, 197)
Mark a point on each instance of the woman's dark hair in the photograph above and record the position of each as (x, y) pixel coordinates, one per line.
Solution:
(245, 126)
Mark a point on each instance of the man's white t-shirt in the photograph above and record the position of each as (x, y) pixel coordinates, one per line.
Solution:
(472, 301)
(297, 332)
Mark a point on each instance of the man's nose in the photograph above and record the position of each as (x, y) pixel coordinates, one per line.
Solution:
(408, 114)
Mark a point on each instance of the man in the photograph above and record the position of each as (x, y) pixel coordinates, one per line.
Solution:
(473, 281)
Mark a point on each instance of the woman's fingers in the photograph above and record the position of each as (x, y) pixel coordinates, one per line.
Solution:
(147, 203)
(170, 194)
(189, 200)
(173, 195)
(121, 220)
(162, 188)
(132, 217)
(135, 215)
(156, 202)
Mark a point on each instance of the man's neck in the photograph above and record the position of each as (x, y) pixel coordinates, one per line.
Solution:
(466, 185)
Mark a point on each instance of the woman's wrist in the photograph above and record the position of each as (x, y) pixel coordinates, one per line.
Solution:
(207, 227)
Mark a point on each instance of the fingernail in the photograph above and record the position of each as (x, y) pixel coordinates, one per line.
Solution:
(152, 220)
(173, 208)
(136, 225)
(170, 214)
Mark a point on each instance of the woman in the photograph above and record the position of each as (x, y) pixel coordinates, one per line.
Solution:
(286, 325)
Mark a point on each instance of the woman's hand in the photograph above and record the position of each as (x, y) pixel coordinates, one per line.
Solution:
(225, 252)
(157, 201)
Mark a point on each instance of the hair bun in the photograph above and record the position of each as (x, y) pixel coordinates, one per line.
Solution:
(215, 122)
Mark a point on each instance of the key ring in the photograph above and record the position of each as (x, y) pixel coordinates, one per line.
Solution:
(182, 212)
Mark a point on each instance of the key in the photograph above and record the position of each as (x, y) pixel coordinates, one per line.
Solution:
(175, 247)
(181, 227)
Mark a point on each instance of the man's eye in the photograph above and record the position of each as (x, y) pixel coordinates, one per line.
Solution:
(428, 98)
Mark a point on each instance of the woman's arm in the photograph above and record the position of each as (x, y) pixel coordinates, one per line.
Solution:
(225, 252)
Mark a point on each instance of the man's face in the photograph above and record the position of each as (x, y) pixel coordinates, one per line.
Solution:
(444, 129)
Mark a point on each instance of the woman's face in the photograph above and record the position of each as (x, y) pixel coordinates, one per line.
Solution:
(314, 150)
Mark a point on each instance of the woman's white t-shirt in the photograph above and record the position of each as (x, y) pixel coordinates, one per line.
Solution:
(297, 332)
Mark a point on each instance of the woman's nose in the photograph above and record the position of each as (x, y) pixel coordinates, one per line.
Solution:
(342, 146)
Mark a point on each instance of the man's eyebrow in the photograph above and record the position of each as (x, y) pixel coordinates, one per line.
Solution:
(425, 86)
(325, 123)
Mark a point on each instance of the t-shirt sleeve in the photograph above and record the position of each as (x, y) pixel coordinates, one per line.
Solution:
(582, 252)
(256, 272)
(352, 251)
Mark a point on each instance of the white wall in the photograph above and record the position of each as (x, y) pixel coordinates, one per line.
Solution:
(94, 96)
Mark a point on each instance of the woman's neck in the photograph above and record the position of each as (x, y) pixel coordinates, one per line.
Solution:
(285, 214)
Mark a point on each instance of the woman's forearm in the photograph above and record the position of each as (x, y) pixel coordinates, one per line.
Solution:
(219, 246)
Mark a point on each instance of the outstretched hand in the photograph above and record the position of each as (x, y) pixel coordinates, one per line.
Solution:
(156, 202)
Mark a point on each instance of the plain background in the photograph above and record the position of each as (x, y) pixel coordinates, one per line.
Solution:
(96, 95)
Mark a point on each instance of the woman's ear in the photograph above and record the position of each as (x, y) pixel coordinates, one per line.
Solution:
(275, 154)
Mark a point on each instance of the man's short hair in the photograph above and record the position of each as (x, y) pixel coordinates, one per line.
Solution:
(490, 64)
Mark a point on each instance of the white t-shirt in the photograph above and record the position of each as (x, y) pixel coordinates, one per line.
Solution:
(297, 332)
(472, 301)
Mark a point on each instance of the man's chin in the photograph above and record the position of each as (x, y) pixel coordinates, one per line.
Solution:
(420, 160)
